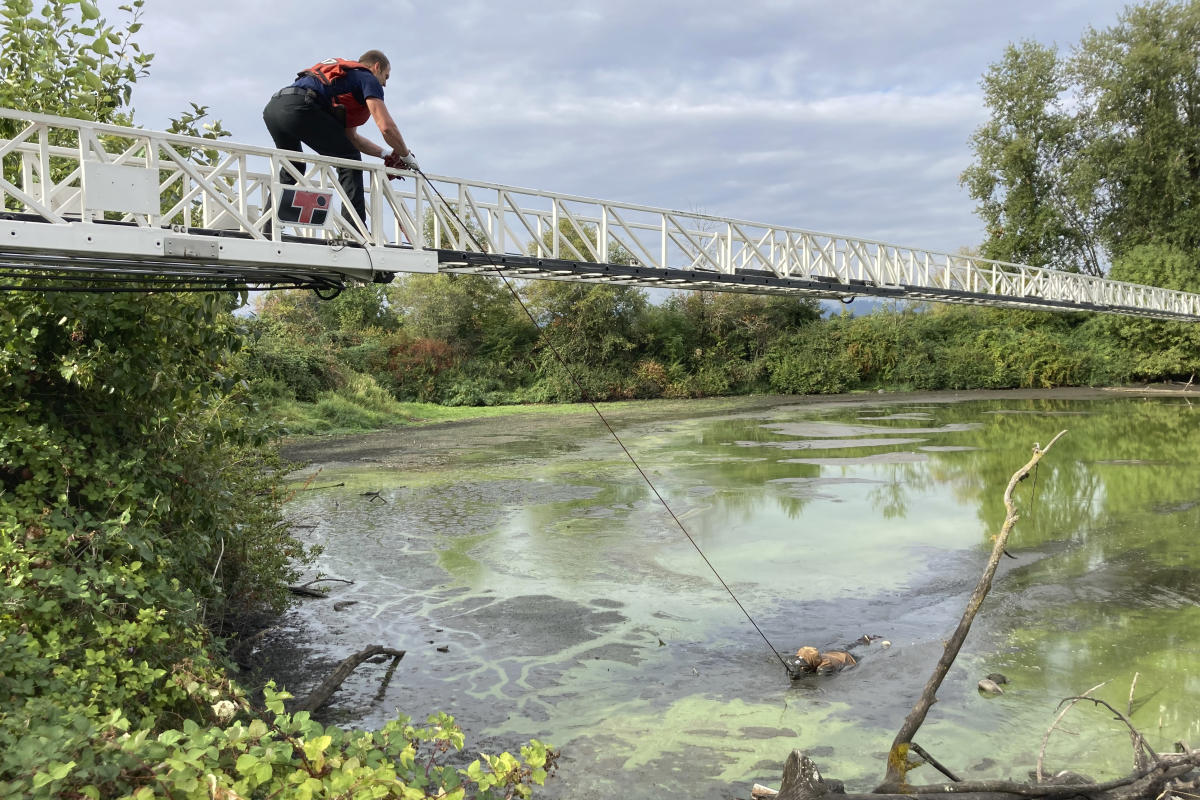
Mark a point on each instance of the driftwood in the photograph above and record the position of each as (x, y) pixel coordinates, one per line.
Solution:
(320, 696)
(1040, 775)
(898, 763)
(304, 591)
(1154, 776)
(802, 781)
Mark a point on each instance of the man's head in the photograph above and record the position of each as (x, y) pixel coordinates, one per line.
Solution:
(378, 63)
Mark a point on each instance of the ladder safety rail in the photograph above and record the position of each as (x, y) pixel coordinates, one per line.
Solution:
(120, 194)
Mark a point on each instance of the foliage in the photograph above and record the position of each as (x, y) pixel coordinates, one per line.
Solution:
(619, 346)
(132, 511)
(477, 314)
(192, 123)
(1026, 165)
(588, 341)
(1154, 349)
(812, 360)
(251, 752)
(1085, 158)
(67, 59)
(1139, 88)
(744, 324)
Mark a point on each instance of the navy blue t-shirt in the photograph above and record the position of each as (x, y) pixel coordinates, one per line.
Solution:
(361, 83)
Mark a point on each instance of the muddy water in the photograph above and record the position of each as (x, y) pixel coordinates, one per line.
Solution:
(541, 591)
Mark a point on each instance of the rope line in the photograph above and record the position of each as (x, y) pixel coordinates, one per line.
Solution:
(588, 399)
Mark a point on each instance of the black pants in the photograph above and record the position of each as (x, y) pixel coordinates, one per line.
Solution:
(295, 118)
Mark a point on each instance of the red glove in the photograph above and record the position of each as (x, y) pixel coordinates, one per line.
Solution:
(393, 160)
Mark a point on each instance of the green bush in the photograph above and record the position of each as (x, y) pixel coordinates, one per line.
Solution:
(246, 752)
(132, 514)
(280, 358)
(814, 360)
(137, 515)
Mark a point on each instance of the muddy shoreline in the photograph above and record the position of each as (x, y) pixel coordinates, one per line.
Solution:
(437, 443)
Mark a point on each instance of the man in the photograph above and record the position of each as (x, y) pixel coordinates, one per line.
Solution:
(323, 109)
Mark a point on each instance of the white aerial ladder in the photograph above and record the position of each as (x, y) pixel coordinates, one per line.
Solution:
(88, 202)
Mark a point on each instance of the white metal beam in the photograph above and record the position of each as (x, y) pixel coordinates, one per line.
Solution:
(57, 212)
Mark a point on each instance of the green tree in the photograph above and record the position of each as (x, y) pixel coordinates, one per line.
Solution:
(1155, 349)
(476, 314)
(1086, 158)
(1139, 87)
(593, 328)
(67, 59)
(1027, 172)
(743, 324)
(478, 323)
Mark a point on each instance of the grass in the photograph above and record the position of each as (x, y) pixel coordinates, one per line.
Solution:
(362, 406)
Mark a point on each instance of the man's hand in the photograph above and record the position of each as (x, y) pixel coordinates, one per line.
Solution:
(395, 161)
(410, 162)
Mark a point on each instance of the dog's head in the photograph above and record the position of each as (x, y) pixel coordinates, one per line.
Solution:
(809, 656)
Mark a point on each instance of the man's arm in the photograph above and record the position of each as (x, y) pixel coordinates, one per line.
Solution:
(363, 144)
(387, 128)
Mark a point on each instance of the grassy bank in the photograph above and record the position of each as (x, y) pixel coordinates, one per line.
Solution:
(362, 405)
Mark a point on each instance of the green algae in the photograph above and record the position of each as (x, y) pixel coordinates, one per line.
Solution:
(636, 661)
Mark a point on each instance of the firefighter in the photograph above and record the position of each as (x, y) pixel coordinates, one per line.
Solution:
(324, 107)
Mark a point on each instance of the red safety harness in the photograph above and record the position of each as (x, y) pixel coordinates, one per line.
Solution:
(345, 106)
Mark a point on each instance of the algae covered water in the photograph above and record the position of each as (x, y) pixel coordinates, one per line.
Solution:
(540, 590)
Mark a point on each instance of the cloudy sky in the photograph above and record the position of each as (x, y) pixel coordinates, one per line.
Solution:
(848, 117)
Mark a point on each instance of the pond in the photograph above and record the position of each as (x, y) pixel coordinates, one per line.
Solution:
(541, 590)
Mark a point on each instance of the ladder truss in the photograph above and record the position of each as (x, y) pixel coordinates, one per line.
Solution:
(92, 202)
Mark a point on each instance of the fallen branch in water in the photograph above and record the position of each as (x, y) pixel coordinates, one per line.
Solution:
(320, 696)
(897, 762)
(802, 781)
(1039, 775)
(303, 589)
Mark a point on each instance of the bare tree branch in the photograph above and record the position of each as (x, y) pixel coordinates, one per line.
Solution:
(1040, 775)
(1135, 738)
(897, 762)
(1138, 739)
(320, 696)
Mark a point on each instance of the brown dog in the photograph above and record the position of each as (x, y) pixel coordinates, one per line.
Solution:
(824, 663)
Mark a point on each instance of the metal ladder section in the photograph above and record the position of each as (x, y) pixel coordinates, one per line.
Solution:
(103, 200)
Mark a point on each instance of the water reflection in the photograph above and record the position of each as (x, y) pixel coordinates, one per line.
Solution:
(574, 610)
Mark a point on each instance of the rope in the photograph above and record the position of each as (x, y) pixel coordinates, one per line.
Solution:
(588, 399)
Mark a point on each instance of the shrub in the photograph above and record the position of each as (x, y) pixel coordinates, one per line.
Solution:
(813, 360)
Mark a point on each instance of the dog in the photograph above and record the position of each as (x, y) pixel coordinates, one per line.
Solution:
(809, 659)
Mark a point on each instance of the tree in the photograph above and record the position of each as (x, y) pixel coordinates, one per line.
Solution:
(592, 328)
(1156, 349)
(593, 324)
(1139, 87)
(1024, 177)
(1086, 158)
(70, 62)
(742, 325)
(474, 313)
